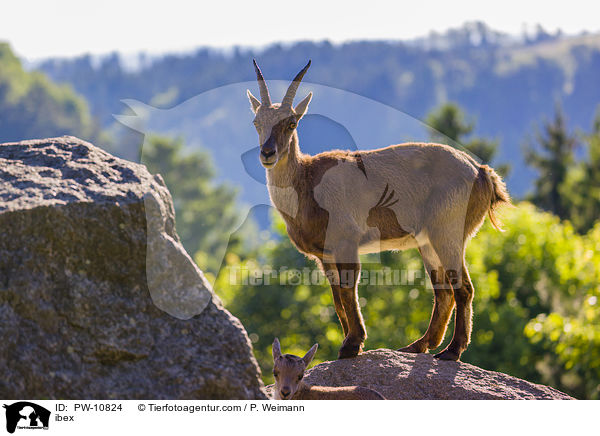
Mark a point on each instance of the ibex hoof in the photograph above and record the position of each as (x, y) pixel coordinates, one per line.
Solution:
(348, 351)
(447, 355)
(413, 348)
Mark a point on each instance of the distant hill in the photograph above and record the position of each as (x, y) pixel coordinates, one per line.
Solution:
(507, 84)
(31, 106)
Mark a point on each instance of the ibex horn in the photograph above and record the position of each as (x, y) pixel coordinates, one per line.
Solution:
(265, 99)
(288, 100)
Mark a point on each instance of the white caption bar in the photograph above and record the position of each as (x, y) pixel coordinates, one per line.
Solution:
(153, 417)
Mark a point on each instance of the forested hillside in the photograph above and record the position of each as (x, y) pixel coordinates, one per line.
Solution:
(505, 84)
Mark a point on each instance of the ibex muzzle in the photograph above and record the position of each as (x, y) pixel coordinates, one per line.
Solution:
(268, 152)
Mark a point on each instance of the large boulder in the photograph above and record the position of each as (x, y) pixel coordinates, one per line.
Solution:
(404, 376)
(98, 298)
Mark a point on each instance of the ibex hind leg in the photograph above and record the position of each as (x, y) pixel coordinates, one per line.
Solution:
(450, 252)
(463, 321)
(353, 343)
(442, 306)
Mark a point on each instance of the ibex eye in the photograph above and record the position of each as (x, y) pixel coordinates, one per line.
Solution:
(275, 373)
(300, 377)
(293, 125)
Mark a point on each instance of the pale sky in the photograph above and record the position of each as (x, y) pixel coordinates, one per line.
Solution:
(37, 29)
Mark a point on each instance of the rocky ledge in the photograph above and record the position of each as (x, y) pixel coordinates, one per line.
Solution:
(404, 376)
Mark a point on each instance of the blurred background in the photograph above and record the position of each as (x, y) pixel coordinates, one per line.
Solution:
(517, 85)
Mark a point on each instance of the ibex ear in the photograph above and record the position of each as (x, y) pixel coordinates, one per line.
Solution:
(276, 349)
(308, 357)
(301, 107)
(254, 102)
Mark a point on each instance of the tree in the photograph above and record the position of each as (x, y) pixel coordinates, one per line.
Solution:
(581, 189)
(552, 157)
(448, 122)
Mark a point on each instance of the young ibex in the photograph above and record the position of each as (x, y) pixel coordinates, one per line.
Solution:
(339, 204)
(288, 371)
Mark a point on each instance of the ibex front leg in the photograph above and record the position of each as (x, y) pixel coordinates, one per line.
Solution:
(348, 266)
(331, 272)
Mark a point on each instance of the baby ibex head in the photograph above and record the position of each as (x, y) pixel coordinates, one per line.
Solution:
(288, 370)
(276, 123)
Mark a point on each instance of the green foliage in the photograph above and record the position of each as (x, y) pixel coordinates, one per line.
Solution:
(33, 107)
(537, 272)
(203, 210)
(543, 269)
(568, 335)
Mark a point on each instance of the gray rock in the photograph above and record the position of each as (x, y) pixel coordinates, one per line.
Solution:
(98, 298)
(404, 376)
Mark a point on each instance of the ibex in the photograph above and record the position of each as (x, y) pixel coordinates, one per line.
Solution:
(340, 204)
(288, 371)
